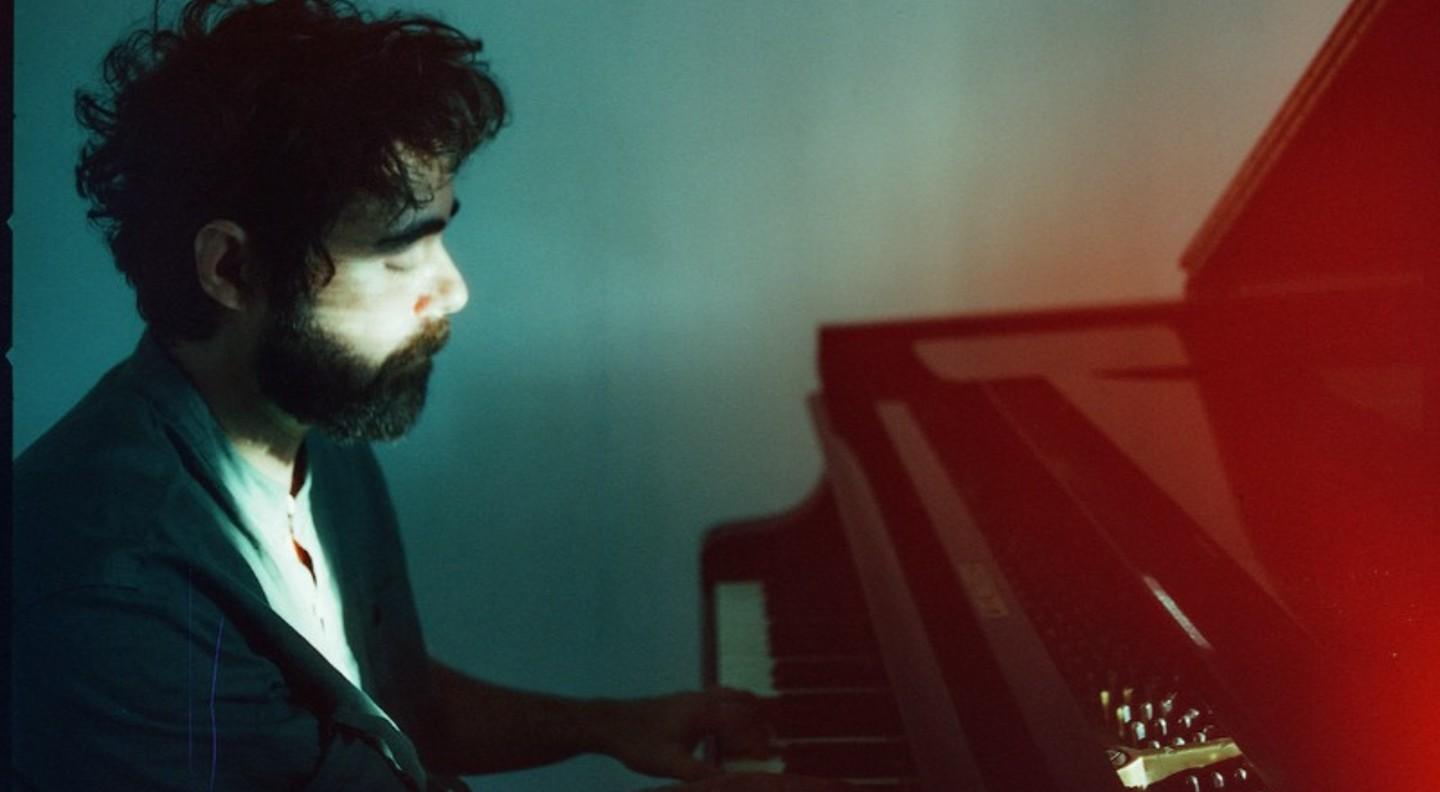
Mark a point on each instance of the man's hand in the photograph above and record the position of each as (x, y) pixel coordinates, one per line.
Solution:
(483, 728)
(759, 782)
(658, 736)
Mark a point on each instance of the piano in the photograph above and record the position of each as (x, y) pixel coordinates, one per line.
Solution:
(1191, 545)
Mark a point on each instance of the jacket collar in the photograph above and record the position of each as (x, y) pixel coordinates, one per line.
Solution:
(215, 464)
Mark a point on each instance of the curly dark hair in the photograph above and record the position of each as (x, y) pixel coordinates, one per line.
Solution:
(274, 115)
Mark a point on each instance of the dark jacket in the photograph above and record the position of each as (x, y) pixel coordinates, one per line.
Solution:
(145, 654)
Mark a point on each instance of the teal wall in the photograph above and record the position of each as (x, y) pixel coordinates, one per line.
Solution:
(690, 187)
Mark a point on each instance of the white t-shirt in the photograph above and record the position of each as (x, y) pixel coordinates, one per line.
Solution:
(309, 604)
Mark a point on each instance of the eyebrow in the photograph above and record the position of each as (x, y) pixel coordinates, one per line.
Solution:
(418, 229)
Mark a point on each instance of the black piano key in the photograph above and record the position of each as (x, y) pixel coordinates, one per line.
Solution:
(828, 672)
(859, 713)
(814, 637)
(849, 759)
(790, 606)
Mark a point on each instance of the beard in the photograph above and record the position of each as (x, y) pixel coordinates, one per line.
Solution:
(314, 377)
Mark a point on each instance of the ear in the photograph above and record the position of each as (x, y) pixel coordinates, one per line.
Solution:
(221, 250)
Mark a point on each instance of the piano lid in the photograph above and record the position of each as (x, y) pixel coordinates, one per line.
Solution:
(1343, 189)
(1272, 485)
(1283, 419)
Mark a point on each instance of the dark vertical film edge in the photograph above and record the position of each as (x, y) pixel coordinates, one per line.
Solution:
(7, 393)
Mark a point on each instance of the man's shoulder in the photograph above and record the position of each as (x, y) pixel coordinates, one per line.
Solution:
(97, 489)
(110, 447)
(137, 429)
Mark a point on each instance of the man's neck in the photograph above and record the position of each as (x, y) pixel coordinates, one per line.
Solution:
(222, 371)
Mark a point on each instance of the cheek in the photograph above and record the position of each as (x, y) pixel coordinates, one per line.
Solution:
(371, 322)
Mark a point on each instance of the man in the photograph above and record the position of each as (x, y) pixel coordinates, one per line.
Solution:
(210, 592)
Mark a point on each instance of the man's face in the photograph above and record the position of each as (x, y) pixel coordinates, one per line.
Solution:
(353, 360)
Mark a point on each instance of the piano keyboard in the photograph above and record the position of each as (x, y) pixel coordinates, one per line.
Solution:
(803, 645)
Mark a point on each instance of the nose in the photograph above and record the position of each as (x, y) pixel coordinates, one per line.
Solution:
(450, 291)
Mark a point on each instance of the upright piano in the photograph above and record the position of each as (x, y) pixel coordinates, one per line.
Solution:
(1179, 546)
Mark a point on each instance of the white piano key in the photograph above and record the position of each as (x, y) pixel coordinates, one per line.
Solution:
(772, 765)
(744, 657)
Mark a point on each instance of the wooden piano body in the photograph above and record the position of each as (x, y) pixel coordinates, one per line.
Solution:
(1182, 546)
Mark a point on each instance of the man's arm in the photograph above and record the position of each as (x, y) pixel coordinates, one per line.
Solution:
(117, 687)
(485, 728)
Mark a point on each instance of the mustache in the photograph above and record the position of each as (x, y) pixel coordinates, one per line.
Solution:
(431, 339)
(417, 351)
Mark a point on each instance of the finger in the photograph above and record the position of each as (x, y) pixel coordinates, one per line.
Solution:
(736, 694)
(742, 726)
(735, 706)
(765, 782)
(683, 767)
